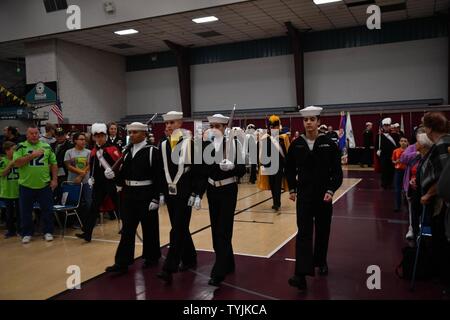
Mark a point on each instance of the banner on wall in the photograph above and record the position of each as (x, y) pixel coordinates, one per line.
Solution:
(41, 92)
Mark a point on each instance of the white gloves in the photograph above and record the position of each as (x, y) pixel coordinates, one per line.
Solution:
(154, 205)
(226, 165)
(91, 182)
(195, 202)
(109, 174)
(198, 203)
(379, 153)
(119, 188)
(162, 201)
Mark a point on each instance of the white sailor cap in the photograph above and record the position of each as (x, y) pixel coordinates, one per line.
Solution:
(173, 115)
(137, 126)
(218, 118)
(251, 126)
(323, 127)
(386, 121)
(396, 125)
(369, 123)
(311, 111)
(99, 128)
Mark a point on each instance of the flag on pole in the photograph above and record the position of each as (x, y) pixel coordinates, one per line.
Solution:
(402, 125)
(349, 132)
(342, 132)
(56, 109)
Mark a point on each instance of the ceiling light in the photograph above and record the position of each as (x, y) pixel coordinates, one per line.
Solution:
(126, 32)
(324, 1)
(205, 19)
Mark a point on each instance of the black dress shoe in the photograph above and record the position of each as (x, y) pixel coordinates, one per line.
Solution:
(298, 282)
(215, 281)
(83, 236)
(323, 270)
(165, 276)
(117, 269)
(184, 267)
(150, 263)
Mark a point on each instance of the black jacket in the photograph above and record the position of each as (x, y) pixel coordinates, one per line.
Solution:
(368, 138)
(60, 152)
(140, 168)
(318, 170)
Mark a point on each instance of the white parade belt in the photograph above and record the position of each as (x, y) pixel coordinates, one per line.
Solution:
(223, 182)
(132, 183)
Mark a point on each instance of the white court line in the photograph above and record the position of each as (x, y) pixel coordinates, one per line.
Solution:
(101, 240)
(289, 259)
(235, 253)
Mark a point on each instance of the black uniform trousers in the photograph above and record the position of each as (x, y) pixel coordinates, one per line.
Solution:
(387, 172)
(99, 194)
(275, 182)
(312, 217)
(252, 173)
(222, 204)
(367, 156)
(136, 201)
(182, 247)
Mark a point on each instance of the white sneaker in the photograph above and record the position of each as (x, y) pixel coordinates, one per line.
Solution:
(410, 234)
(48, 237)
(26, 239)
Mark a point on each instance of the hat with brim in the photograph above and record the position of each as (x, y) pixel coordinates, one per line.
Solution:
(311, 111)
(386, 121)
(218, 118)
(173, 115)
(137, 126)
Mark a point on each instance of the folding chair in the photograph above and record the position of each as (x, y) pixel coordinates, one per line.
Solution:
(424, 231)
(70, 202)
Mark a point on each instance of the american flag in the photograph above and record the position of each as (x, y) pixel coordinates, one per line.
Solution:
(56, 109)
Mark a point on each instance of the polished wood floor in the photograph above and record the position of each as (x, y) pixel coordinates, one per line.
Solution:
(39, 270)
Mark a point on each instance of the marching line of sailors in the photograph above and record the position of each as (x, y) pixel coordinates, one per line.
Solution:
(149, 177)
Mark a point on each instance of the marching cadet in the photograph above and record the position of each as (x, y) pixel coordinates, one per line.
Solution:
(386, 144)
(251, 144)
(103, 157)
(315, 159)
(140, 178)
(180, 191)
(271, 175)
(368, 145)
(222, 189)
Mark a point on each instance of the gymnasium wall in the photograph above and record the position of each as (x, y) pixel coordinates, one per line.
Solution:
(406, 70)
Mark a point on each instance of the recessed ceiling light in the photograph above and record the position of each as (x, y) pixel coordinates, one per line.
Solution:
(205, 19)
(126, 32)
(325, 1)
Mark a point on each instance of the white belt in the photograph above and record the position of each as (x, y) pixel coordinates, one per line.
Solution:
(143, 183)
(223, 182)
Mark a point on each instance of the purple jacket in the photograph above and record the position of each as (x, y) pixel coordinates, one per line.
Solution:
(406, 158)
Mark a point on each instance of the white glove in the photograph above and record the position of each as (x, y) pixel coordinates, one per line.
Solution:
(162, 201)
(154, 205)
(379, 153)
(119, 188)
(226, 165)
(109, 174)
(91, 182)
(198, 203)
(191, 201)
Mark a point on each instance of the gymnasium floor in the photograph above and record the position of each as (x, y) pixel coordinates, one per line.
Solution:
(365, 231)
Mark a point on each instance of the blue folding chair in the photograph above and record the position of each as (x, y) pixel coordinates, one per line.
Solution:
(424, 231)
(71, 193)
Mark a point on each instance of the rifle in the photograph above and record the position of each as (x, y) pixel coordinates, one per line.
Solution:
(127, 149)
(228, 135)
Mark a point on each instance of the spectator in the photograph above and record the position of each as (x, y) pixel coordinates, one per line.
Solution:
(113, 137)
(368, 145)
(9, 189)
(437, 128)
(11, 134)
(77, 163)
(49, 136)
(36, 161)
(332, 134)
(399, 172)
(61, 145)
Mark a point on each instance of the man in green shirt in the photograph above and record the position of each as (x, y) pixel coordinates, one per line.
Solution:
(38, 177)
(9, 189)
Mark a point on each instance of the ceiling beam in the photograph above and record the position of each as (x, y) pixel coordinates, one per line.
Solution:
(296, 40)
(182, 55)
